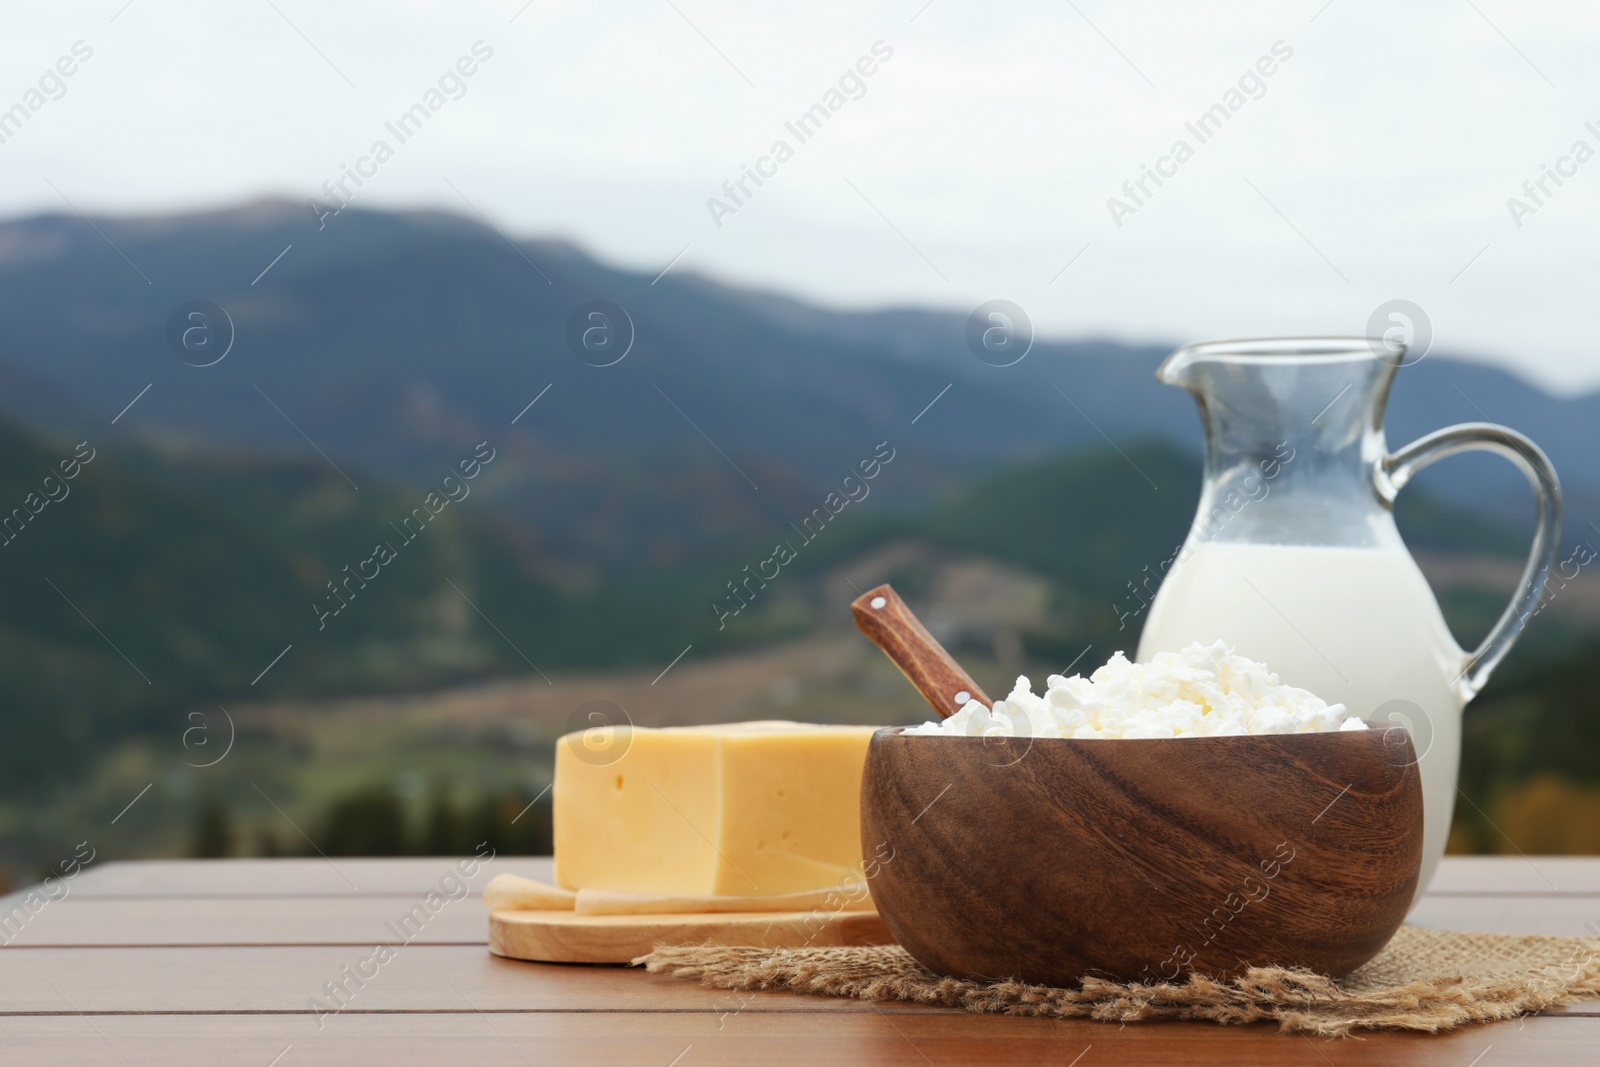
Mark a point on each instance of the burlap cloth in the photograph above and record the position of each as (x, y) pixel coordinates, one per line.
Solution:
(1423, 980)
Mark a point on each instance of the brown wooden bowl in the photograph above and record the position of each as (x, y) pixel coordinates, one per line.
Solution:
(1050, 859)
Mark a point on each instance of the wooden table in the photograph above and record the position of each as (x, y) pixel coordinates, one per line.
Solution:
(215, 962)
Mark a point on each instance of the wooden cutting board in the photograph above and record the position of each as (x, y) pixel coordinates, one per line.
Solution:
(567, 937)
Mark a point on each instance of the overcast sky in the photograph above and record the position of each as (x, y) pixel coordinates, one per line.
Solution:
(975, 162)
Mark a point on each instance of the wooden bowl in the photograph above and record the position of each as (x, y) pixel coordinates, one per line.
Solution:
(1050, 860)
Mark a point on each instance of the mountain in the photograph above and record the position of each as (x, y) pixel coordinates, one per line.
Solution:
(136, 584)
(123, 599)
(191, 558)
(395, 342)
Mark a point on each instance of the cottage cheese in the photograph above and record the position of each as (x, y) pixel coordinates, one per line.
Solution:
(1203, 691)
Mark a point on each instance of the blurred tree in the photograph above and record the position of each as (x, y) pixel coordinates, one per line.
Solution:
(372, 822)
(443, 830)
(513, 824)
(267, 843)
(1549, 815)
(213, 830)
(368, 822)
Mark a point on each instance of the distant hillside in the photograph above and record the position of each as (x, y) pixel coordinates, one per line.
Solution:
(398, 341)
(152, 582)
(124, 600)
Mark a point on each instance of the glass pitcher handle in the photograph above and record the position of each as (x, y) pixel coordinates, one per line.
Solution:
(1398, 468)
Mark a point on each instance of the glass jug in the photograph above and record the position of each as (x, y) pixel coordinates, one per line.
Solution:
(1294, 558)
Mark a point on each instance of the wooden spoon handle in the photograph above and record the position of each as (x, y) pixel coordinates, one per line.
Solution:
(889, 624)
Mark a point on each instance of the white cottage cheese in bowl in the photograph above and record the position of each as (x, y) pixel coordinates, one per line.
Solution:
(1203, 691)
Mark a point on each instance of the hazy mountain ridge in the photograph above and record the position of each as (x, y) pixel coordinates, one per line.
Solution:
(396, 340)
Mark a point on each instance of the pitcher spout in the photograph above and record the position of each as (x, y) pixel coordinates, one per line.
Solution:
(1323, 386)
(1301, 417)
(1193, 367)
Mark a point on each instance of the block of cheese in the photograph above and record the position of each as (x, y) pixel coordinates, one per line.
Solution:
(745, 809)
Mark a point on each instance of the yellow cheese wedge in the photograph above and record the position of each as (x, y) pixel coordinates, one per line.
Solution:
(525, 894)
(851, 897)
(745, 809)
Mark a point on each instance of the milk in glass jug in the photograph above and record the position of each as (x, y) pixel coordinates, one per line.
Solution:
(1294, 558)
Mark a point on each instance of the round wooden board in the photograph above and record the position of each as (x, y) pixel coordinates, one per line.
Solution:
(567, 937)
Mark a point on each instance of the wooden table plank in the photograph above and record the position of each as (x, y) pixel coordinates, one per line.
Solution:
(291, 877)
(246, 921)
(876, 1038)
(283, 978)
(422, 978)
(231, 918)
(1472, 875)
(1562, 916)
(418, 978)
(1523, 875)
